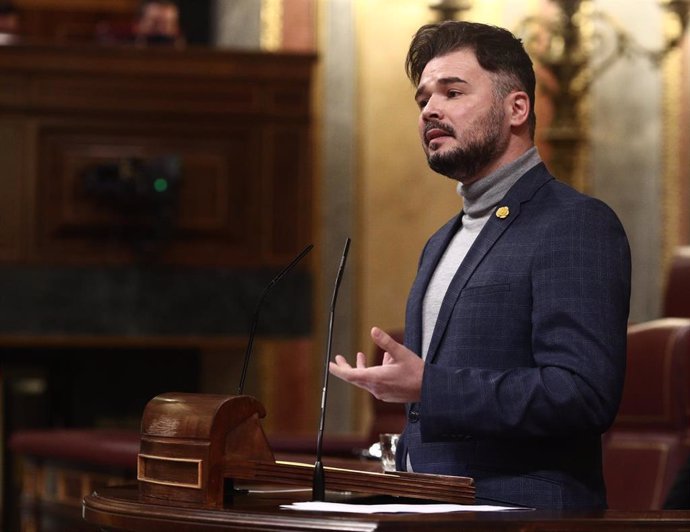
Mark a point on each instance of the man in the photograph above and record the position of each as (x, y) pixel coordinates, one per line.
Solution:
(158, 23)
(9, 23)
(515, 331)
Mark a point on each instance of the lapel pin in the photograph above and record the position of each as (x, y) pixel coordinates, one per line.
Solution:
(502, 212)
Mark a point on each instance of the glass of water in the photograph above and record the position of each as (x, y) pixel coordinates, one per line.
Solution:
(388, 442)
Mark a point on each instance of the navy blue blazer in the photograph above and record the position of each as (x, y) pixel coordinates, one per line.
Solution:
(527, 359)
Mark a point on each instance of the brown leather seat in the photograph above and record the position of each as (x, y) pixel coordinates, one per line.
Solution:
(58, 467)
(647, 444)
(112, 449)
(677, 291)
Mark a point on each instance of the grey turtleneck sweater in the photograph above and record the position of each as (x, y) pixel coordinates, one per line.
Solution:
(480, 200)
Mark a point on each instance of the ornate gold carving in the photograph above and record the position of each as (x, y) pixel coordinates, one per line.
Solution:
(271, 25)
(575, 49)
(671, 186)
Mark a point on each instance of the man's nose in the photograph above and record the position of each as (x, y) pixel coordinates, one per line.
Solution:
(432, 111)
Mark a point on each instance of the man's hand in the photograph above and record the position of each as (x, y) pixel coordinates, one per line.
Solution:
(397, 380)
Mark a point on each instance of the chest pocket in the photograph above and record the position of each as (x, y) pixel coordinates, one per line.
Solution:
(483, 290)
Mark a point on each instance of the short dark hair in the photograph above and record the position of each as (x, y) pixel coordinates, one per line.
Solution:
(497, 50)
(8, 8)
(144, 3)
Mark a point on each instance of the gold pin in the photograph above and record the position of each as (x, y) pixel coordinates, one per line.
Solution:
(502, 212)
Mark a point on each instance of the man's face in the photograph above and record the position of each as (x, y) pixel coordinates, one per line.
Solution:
(159, 19)
(462, 124)
(9, 23)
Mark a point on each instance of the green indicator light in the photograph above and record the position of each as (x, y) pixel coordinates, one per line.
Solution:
(160, 185)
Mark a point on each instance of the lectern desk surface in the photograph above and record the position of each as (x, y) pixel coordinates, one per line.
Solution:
(119, 509)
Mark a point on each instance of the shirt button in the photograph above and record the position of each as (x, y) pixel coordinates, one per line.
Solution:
(413, 416)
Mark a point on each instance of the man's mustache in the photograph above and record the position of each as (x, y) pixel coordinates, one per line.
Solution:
(434, 124)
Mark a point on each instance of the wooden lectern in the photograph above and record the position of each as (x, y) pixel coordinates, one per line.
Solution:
(193, 446)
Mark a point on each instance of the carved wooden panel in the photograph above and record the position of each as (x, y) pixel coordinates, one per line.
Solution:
(216, 211)
(11, 191)
(71, 20)
(238, 126)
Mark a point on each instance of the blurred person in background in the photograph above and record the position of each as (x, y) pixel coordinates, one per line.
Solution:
(158, 23)
(9, 23)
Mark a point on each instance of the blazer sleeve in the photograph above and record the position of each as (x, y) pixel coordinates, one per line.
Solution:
(580, 292)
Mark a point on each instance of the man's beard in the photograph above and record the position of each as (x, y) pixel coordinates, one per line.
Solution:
(481, 148)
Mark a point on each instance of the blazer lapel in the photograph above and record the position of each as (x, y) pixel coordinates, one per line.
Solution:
(434, 250)
(521, 192)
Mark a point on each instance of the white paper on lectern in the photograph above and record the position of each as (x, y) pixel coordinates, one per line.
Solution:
(315, 506)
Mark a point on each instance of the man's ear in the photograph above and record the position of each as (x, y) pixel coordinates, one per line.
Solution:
(518, 107)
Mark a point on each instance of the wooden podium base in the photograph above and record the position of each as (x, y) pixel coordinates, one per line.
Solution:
(193, 446)
(119, 509)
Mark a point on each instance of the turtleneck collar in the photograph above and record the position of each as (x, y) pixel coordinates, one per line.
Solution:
(483, 195)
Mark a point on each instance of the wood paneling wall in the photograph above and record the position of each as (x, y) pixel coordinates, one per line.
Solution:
(72, 20)
(238, 122)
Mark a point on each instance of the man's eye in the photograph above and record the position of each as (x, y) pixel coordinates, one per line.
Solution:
(422, 103)
(454, 94)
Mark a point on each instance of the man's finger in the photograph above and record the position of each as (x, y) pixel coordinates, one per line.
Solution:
(385, 341)
(341, 361)
(361, 360)
(341, 370)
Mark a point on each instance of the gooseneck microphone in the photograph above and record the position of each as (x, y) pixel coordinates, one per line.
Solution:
(255, 320)
(319, 481)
